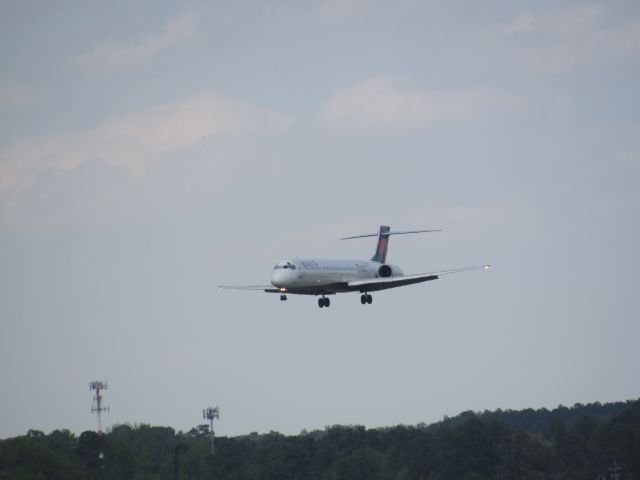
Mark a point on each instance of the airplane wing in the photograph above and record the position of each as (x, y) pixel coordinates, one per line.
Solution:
(262, 288)
(330, 289)
(368, 285)
(373, 284)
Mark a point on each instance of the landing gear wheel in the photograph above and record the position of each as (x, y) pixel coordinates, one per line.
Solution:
(321, 302)
(363, 299)
(369, 299)
(326, 302)
(283, 298)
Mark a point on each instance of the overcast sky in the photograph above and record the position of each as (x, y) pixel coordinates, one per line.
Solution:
(150, 151)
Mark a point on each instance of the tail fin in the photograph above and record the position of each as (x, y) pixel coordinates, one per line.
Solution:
(383, 240)
(383, 244)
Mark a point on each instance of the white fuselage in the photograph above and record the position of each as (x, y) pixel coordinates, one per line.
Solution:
(313, 272)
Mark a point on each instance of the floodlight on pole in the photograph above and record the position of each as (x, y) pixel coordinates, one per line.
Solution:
(97, 406)
(210, 414)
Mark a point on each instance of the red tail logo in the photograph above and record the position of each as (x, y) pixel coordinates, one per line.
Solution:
(383, 244)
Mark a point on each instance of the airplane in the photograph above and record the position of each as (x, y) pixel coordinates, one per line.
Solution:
(322, 277)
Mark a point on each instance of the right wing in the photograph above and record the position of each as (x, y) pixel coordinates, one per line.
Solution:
(373, 284)
(263, 288)
(330, 289)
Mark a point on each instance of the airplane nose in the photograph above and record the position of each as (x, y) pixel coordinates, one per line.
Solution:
(279, 278)
(283, 277)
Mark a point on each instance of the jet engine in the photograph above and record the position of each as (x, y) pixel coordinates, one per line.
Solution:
(386, 270)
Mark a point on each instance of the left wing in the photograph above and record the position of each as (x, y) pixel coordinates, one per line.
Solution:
(373, 284)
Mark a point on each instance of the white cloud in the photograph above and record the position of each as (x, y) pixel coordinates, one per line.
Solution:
(625, 39)
(133, 143)
(571, 37)
(16, 97)
(522, 24)
(116, 54)
(561, 23)
(377, 104)
(622, 144)
(471, 222)
(338, 10)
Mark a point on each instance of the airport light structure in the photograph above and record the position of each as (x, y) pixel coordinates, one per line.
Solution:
(210, 414)
(97, 406)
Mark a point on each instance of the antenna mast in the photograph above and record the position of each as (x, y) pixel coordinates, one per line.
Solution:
(209, 414)
(97, 407)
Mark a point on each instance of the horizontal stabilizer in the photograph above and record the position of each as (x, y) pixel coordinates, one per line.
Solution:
(395, 232)
(383, 235)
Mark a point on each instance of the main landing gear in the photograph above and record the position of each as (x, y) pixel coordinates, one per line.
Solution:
(366, 298)
(324, 302)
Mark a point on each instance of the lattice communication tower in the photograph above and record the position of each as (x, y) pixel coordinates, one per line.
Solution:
(97, 406)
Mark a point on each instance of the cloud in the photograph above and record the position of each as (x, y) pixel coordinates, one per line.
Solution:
(474, 221)
(132, 144)
(577, 20)
(625, 39)
(522, 24)
(16, 97)
(622, 144)
(377, 105)
(338, 10)
(571, 37)
(114, 54)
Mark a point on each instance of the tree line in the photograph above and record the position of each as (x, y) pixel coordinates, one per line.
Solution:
(591, 442)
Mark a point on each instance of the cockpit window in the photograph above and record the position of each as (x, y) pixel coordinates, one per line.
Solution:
(287, 265)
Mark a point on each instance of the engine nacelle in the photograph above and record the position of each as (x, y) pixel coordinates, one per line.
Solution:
(386, 270)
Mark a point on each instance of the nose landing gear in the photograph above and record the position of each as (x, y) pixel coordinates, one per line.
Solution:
(366, 298)
(323, 302)
(283, 296)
